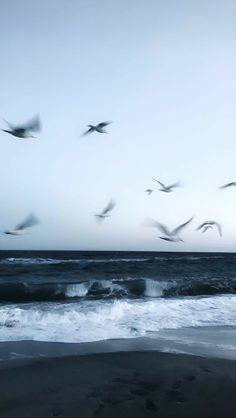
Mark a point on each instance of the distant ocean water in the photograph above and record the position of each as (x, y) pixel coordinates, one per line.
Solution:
(91, 296)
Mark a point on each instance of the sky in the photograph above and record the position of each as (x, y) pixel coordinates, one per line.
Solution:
(164, 73)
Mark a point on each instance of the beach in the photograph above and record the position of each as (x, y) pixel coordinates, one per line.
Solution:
(117, 334)
(122, 384)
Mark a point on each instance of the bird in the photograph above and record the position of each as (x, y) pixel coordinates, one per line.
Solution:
(169, 235)
(21, 228)
(149, 191)
(225, 186)
(24, 131)
(97, 128)
(106, 212)
(211, 224)
(167, 189)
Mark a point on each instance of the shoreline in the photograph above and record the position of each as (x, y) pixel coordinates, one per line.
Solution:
(129, 384)
(204, 342)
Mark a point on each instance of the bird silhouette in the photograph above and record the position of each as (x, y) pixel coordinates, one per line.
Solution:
(24, 131)
(97, 128)
(21, 228)
(106, 212)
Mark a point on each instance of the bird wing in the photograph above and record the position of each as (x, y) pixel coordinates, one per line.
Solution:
(33, 124)
(161, 184)
(233, 183)
(31, 220)
(163, 228)
(103, 124)
(219, 227)
(178, 228)
(9, 124)
(109, 207)
(88, 131)
(202, 225)
(171, 186)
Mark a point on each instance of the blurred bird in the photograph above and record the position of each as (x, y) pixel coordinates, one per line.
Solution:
(21, 229)
(106, 212)
(24, 131)
(225, 186)
(211, 224)
(97, 128)
(149, 191)
(167, 189)
(169, 235)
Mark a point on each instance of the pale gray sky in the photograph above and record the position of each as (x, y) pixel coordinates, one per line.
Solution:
(164, 73)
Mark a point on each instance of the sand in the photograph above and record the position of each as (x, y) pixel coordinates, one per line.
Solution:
(125, 384)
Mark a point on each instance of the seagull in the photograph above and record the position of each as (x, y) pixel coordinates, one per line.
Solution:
(20, 229)
(105, 213)
(211, 224)
(225, 186)
(167, 189)
(97, 128)
(24, 131)
(169, 235)
(149, 191)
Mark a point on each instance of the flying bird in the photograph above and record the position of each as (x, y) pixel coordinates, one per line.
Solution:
(97, 128)
(106, 212)
(169, 235)
(21, 228)
(225, 186)
(211, 224)
(25, 130)
(149, 191)
(166, 189)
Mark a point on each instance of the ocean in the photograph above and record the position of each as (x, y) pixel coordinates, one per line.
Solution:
(78, 297)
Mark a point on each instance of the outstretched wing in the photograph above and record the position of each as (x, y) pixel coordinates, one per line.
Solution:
(31, 220)
(32, 125)
(172, 186)
(91, 129)
(219, 227)
(180, 227)
(9, 124)
(163, 228)
(109, 207)
(225, 186)
(103, 124)
(161, 184)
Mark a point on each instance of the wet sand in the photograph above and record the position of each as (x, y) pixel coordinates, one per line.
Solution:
(130, 384)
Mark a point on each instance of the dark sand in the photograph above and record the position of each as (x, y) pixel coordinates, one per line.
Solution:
(131, 384)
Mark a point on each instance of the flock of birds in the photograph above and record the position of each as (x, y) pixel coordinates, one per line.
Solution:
(34, 125)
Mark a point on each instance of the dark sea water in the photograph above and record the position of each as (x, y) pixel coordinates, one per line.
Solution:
(91, 296)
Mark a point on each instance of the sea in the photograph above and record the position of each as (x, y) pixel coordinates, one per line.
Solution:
(182, 302)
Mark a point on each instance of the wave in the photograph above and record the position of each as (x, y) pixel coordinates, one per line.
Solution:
(101, 320)
(46, 261)
(129, 287)
(107, 260)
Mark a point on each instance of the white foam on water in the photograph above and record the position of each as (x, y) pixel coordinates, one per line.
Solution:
(77, 290)
(106, 319)
(42, 260)
(154, 288)
(83, 288)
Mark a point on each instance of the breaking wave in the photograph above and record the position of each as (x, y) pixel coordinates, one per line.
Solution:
(101, 320)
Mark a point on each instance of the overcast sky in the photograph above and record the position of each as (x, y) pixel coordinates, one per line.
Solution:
(164, 73)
